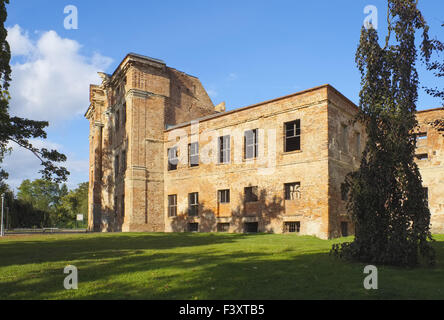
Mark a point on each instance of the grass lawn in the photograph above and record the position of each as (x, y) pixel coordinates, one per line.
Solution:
(200, 266)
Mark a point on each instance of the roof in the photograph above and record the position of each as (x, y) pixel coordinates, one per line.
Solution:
(212, 116)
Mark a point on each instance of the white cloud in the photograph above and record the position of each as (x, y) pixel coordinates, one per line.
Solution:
(51, 81)
(19, 41)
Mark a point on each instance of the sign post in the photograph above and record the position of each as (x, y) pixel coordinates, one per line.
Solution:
(2, 232)
(79, 218)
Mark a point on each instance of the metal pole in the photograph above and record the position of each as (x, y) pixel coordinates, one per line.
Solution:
(2, 233)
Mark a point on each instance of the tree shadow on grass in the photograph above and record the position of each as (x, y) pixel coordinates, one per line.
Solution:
(98, 246)
(224, 271)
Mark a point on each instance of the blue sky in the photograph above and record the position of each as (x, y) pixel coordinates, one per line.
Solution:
(244, 52)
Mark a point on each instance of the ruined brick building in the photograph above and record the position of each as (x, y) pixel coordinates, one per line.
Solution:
(164, 158)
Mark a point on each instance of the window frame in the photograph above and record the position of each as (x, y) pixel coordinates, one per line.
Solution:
(288, 192)
(172, 205)
(254, 144)
(224, 149)
(223, 196)
(192, 163)
(296, 128)
(172, 166)
(193, 204)
(292, 226)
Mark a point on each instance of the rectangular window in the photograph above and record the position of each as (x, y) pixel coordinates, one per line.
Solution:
(251, 227)
(172, 159)
(224, 149)
(117, 119)
(124, 113)
(426, 195)
(115, 206)
(421, 136)
(251, 194)
(193, 154)
(193, 204)
(193, 227)
(292, 136)
(292, 191)
(292, 226)
(224, 196)
(116, 167)
(122, 203)
(223, 227)
(250, 144)
(172, 205)
(422, 156)
(358, 143)
(344, 229)
(123, 161)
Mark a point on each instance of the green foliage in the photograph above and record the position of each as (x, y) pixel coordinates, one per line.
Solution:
(19, 130)
(43, 203)
(385, 195)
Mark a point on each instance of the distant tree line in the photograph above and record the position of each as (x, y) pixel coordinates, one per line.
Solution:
(43, 203)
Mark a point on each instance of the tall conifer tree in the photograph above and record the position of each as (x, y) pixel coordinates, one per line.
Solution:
(386, 199)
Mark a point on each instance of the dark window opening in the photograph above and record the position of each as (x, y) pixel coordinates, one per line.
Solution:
(421, 136)
(223, 227)
(422, 156)
(193, 154)
(193, 227)
(250, 144)
(193, 204)
(123, 161)
(292, 136)
(344, 229)
(292, 226)
(426, 196)
(251, 227)
(172, 205)
(292, 191)
(116, 167)
(224, 196)
(251, 194)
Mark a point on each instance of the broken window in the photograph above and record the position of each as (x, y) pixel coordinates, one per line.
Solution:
(251, 194)
(292, 136)
(292, 191)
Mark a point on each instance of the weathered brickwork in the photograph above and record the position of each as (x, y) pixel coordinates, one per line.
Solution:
(145, 109)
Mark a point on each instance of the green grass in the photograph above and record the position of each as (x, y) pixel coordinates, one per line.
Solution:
(200, 266)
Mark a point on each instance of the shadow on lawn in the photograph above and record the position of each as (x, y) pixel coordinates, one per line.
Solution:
(218, 274)
(102, 246)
